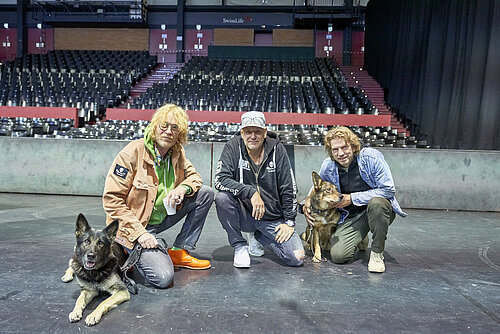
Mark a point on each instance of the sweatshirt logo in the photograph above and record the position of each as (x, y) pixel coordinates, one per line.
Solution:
(244, 164)
(120, 171)
(271, 168)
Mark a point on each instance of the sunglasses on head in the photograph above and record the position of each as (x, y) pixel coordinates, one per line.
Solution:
(257, 121)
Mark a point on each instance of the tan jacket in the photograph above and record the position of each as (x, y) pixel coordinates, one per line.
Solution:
(131, 187)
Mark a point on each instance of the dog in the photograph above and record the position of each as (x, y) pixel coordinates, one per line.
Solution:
(321, 201)
(96, 264)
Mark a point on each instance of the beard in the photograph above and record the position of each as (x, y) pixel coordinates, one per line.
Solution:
(164, 145)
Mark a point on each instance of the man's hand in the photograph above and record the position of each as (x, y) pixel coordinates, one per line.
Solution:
(147, 240)
(307, 212)
(284, 232)
(176, 195)
(258, 208)
(345, 201)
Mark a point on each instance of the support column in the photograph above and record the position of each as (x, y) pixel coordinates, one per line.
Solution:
(22, 45)
(347, 37)
(180, 31)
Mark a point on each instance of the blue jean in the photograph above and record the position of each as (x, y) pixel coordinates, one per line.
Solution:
(157, 267)
(235, 219)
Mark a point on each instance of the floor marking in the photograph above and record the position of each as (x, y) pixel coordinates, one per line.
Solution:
(483, 255)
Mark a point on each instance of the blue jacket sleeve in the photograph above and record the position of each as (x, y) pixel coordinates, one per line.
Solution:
(376, 172)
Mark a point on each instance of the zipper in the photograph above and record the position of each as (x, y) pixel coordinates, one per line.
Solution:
(258, 172)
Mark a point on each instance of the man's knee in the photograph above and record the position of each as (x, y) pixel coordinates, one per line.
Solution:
(339, 255)
(380, 213)
(161, 280)
(223, 198)
(207, 193)
(378, 205)
(296, 259)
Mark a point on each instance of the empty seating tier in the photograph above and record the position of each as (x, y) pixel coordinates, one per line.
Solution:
(198, 132)
(86, 80)
(271, 86)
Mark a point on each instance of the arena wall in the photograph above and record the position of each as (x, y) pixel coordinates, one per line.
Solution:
(425, 178)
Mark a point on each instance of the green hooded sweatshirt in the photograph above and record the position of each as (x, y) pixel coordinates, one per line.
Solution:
(166, 178)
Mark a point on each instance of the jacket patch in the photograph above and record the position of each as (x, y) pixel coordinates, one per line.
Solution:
(271, 168)
(120, 171)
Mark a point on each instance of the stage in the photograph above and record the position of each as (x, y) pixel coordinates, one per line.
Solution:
(442, 276)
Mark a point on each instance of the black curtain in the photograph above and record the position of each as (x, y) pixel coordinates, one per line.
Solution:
(440, 62)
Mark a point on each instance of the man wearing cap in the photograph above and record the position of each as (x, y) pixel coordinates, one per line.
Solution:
(151, 186)
(257, 193)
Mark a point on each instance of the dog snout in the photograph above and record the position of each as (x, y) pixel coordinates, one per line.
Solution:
(91, 256)
(341, 196)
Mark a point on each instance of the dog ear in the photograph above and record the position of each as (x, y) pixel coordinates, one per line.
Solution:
(82, 225)
(111, 229)
(316, 180)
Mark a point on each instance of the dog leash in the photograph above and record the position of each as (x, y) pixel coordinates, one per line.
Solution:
(133, 257)
(310, 234)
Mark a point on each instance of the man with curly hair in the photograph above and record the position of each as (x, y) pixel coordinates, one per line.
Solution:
(146, 177)
(368, 203)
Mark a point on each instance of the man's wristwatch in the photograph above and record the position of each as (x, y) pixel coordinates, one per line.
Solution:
(290, 223)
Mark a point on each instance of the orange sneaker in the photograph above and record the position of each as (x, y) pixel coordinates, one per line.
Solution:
(182, 258)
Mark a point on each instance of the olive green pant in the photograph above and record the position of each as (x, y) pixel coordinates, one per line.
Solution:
(376, 219)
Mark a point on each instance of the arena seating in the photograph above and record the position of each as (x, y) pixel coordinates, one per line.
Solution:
(198, 132)
(34, 127)
(241, 85)
(87, 80)
(91, 81)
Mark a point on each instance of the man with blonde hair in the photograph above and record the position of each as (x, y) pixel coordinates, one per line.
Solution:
(368, 203)
(148, 177)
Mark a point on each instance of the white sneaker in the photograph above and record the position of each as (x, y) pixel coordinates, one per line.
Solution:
(241, 257)
(376, 264)
(255, 248)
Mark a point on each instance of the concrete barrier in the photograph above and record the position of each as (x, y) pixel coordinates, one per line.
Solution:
(426, 179)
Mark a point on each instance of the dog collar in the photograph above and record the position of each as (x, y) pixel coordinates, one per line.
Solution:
(316, 210)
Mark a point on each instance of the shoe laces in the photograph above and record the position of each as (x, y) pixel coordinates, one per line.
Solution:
(241, 249)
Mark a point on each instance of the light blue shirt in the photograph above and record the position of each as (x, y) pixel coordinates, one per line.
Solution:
(375, 171)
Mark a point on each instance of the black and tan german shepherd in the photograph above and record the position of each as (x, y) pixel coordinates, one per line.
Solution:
(96, 264)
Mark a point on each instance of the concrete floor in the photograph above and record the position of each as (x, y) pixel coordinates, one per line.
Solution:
(443, 276)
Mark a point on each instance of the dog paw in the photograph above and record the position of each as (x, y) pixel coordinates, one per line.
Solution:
(315, 259)
(93, 318)
(67, 278)
(75, 316)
